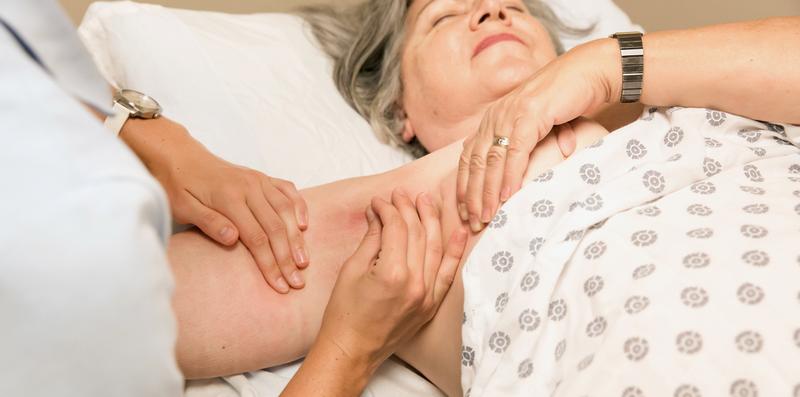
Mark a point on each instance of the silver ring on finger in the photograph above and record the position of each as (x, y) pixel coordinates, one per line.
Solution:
(502, 141)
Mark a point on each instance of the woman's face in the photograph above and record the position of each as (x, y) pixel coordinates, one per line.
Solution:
(459, 56)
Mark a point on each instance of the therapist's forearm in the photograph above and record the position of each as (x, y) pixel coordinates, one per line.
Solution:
(328, 372)
(747, 68)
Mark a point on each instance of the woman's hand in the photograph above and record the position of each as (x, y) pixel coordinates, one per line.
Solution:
(488, 174)
(227, 202)
(386, 292)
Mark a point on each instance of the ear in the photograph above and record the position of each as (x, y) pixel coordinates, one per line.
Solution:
(408, 131)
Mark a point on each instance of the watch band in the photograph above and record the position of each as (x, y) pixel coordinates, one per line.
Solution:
(632, 51)
(119, 115)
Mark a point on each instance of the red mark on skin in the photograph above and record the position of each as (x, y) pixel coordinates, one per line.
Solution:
(494, 39)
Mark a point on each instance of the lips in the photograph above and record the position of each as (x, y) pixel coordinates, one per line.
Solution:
(494, 39)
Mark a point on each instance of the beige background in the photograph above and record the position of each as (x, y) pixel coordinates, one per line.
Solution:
(652, 14)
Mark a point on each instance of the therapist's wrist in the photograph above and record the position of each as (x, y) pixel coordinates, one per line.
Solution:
(156, 141)
(604, 56)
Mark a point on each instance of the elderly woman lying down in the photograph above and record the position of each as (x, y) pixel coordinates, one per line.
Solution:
(429, 74)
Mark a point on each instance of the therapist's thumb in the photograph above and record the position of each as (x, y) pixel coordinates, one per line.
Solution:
(370, 245)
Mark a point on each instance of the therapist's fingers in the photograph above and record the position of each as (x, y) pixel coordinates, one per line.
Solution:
(257, 242)
(276, 231)
(300, 207)
(370, 246)
(415, 249)
(287, 229)
(394, 242)
(462, 178)
(523, 140)
(429, 215)
(449, 266)
(495, 165)
(477, 172)
(189, 210)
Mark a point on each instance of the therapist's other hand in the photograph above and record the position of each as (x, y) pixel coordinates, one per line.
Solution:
(566, 88)
(227, 202)
(395, 281)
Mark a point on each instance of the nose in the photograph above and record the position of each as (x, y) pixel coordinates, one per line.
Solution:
(489, 10)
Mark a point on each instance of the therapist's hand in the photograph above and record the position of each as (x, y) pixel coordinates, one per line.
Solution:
(574, 84)
(388, 289)
(227, 202)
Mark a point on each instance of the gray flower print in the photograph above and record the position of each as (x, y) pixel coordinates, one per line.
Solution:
(575, 205)
(593, 285)
(636, 348)
(699, 210)
(502, 261)
(751, 172)
(649, 211)
(632, 392)
(636, 304)
(756, 258)
(687, 391)
(595, 250)
(499, 220)
(649, 114)
(715, 118)
(598, 225)
(711, 167)
(749, 342)
(753, 190)
(644, 238)
(704, 188)
(654, 181)
(529, 281)
(750, 294)
(776, 128)
(797, 209)
(543, 208)
(501, 302)
(702, 233)
(750, 134)
(590, 174)
(529, 320)
(544, 177)
(752, 231)
(744, 388)
(499, 342)
(525, 369)
(574, 235)
(560, 349)
(596, 327)
(635, 150)
(597, 144)
(557, 310)
(758, 151)
(467, 356)
(756, 209)
(675, 157)
(674, 137)
(643, 271)
(794, 169)
(535, 245)
(689, 342)
(586, 362)
(797, 337)
(696, 260)
(712, 143)
(694, 297)
(468, 392)
(796, 193)
(593, 203)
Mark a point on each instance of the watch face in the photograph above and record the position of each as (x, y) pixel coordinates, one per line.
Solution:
(140, 102)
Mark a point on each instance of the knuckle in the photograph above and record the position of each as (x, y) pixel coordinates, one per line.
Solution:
(208, 218)
(257, 239)
(495, 157)
(476, 162)
(276, 228)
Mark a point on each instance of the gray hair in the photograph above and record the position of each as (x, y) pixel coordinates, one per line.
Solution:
(365, 42)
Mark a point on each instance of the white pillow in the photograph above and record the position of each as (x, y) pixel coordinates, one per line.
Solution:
(255, 89)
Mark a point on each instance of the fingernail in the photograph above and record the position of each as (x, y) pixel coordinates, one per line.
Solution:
(475, 224)
(281, 285)
(486, 217)
(297, 279)
(226, 233)
(462, 212)
(505, 194)
(300, 256)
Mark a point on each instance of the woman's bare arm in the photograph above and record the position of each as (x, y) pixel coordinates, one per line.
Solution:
(231, 321)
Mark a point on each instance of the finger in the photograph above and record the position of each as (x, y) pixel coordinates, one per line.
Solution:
(211, 222)
(429, 215)
(523, 140)
(566, 139)
(477, 173)
(276, 232)
(300, 207)
(284, 208)
(462, 178)
(415, 250)
(257, 242)
(370, 245)
(449, 267)
(495, 165)
(394, 239)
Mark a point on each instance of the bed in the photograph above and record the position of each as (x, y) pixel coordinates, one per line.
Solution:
(256, 91)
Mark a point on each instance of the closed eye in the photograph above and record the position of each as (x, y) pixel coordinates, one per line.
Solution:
(441, 19)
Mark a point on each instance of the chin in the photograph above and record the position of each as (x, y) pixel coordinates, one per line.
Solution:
(504, 80)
